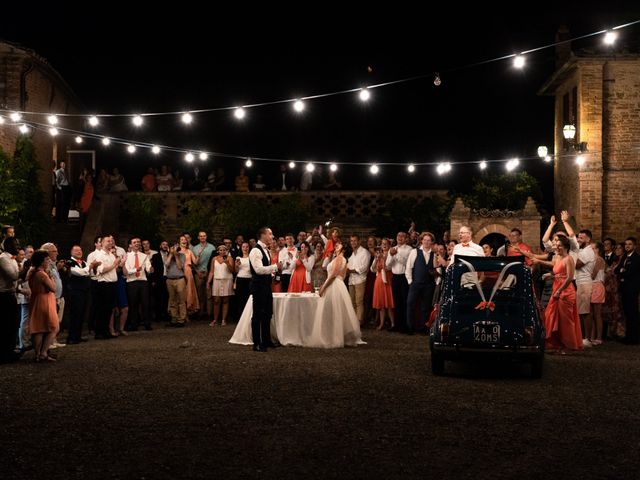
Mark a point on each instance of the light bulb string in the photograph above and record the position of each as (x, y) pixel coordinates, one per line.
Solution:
(334, 93)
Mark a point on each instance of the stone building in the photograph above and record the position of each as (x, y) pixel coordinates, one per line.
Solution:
(28, 83)
(598, 93)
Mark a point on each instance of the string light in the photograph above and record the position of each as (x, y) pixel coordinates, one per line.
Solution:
(23, 128)
(548, 158)
(187, 118)
(443, 168)
(542, 151)
(610, 38)
(52, 119)
(53, 131)
(333, 167)
(298, 106)
(248, 163)
(512, 164)
(189, 157)
(483, 165)
(204, 156)
(239, 113)
(15, 117)
(292, 165)
(364, 94)
(106, 141)
(155, 150)
(518, 61)
(436, 81)
(411, 168)
(374, 169)
(131, 149)
(580, 160)
(138, 121)
(310, 167)
(78, 139)
(93, 121)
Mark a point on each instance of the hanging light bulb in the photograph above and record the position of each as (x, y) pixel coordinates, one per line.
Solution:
(610, 38)
(187, 118)
(542, 151)
(15, 117)
(248, 163)
(411, 168)
(239, 113)
(333, 167)
(189, 157)
(138, 121)
(93, 121)
(310, 167)
(53, 131)
(131, 149)
(364, 94)
(298, 106)
(78, 139)
(436, 81)
(292, 164)
(548, 158)
(374, 169)
(518, 61)
(580, 160)
(204, 156)
(155, 149)
(106, 141)
(52, 119)
(483, 165)
(23, 128)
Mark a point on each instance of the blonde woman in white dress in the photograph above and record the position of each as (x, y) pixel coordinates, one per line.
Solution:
(221, 282)
(338, 325)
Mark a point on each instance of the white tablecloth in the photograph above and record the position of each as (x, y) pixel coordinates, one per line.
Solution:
(295, 315)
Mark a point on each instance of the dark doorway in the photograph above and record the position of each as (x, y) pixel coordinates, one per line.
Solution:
(496, 240)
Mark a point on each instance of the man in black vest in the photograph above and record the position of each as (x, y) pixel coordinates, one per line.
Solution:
(261, 274)
(421, 277)
(628, 272)
(77, 286)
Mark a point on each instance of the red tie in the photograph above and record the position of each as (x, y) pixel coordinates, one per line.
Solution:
(137, 265)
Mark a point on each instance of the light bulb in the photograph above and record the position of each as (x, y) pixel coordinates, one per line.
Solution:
(310, 167)
(204, 156)
(78, 139)
(298, 106)
(411, 168)
(52, 119)
(292, 164)
(93, 121)
(155, 149)
(106, 141)
(248, 163)
(483, 165)
(189, 157)
(518, 61)
(333, 167)
(131, 149)
(138, 121)
(15, 117)
(187, 118)
(374, 169)
(53, 131)
(239, 113)
(364, 94)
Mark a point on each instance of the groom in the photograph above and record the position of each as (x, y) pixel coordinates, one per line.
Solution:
(261, 273)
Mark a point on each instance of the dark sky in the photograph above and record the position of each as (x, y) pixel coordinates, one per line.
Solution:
(122, 61)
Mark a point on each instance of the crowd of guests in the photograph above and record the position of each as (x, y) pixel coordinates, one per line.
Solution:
(588, 290)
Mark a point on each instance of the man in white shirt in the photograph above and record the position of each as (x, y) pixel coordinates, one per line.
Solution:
(287, 257)
(136, 267)
(77, 286)
(107, 278)
(584, 268)
(465, 245)
(261, 274)
(97, 242)
(420, 273)
(357, 267)
(397, 262)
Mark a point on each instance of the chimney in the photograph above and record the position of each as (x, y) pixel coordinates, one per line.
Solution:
(563, 51)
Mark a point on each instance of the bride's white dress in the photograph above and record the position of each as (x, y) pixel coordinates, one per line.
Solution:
(338, 324)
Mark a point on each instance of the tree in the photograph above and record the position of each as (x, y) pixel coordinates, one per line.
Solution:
(503, 192)
(145, 216)
(429, 213)
(21, 198)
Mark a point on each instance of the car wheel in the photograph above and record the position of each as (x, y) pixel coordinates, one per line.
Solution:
(537, 366)
(437, 364)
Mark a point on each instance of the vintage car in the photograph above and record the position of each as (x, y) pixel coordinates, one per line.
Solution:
(487, 307)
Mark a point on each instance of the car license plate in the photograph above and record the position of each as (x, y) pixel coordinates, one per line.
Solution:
(486, 333)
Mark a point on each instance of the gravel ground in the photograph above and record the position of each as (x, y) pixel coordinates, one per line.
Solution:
(151, 406)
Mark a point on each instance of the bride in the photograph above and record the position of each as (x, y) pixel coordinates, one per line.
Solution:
(338, 325)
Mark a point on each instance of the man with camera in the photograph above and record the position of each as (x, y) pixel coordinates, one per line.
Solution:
(176, 286)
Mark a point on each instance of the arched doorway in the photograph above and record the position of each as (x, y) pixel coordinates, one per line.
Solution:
(495, 239)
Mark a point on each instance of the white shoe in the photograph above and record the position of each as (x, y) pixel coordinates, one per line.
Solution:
(56, 344)
(587, 343)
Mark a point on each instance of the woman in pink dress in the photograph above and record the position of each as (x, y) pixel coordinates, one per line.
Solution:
(193, 305)
(382, 294)
(561, 322)
(276, 286)
(43, 314)
(301, 277)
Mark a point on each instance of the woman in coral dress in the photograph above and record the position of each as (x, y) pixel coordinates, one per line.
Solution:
(382, 294)
(301, 277)
(276, 286)
(43, 314)
(193, 305)
(561, 322)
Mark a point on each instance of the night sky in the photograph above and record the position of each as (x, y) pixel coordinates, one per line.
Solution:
(124, 61)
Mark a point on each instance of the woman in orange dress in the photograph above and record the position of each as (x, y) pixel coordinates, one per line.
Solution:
(193, 305)
(382, 294)
(87, 193)
(561, 320)
(301, 277)
(43, 314)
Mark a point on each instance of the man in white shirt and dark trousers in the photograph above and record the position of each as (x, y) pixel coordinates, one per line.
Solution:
(287, 257)
(420, 272)
(136, 267)
(358, 267)
(77, 286)
(107, 277)
(397, 261)
(261, 274)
